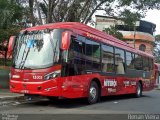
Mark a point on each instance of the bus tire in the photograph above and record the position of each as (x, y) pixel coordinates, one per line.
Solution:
(138, 90)
(93, 93)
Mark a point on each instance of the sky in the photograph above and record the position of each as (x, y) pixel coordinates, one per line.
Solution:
(154, 17)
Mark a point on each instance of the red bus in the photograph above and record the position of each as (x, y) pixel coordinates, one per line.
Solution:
(73, 60)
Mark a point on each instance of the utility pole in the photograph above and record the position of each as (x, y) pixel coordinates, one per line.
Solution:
(134, 37)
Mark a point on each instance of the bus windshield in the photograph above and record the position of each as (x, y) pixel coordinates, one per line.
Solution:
(37, 49)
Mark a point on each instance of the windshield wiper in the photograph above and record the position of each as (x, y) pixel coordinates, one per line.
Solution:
(23, 61)
(27, 68)
(28, 46)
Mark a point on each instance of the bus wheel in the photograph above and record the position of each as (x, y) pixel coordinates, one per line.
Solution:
(93, 93)
(138, 90)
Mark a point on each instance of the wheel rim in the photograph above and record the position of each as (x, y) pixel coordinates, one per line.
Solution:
(93, 93)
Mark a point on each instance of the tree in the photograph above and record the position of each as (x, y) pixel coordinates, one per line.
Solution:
(114, 32)
(130, 19)
(11, 14)
(157, 48)
(83, 10)
(69, 11)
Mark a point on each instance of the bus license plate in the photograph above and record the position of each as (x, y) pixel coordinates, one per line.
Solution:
(24, 91)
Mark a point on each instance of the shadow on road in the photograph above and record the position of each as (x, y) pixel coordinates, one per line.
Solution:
(77, 103)
(120, 97)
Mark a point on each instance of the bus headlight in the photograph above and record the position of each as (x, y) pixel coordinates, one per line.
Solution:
(52, 75)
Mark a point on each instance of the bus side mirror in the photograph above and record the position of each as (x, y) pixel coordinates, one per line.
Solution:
(66, 36)
(11, 44)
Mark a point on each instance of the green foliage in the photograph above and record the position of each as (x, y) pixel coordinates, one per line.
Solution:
(157, 38)
(6, 33)
(114, 32)
(129, 18)
(11, 13)
(157, 48)
(83, 10)
(8, 62)
(140, 4)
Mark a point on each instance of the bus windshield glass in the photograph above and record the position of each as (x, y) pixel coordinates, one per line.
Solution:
(37, 49)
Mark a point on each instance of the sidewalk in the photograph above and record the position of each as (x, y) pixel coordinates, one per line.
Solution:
(5, 94)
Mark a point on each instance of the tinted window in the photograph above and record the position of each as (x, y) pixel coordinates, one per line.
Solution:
(76, 45)
(107, 58)
(150, 64)
(129, 60)
(85, 54)
(138, 62)
(92, 49)
(92, 55)
(119, 61)
(145, 64)
(76, 56)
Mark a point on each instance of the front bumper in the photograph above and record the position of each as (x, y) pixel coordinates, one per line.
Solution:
(47, 88)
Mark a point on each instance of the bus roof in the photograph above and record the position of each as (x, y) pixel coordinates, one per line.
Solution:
(88, 31)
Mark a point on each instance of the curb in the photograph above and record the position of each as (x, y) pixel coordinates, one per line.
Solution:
(157, 89)
(10, 98)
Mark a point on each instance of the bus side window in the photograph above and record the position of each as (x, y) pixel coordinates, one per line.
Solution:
(107, 58)
(150, 64)
(76, 53)
(129, 60)
(76, 45)
(138, 62)
(119, 61)
(67, 68)
(145, 64)
(92, 55)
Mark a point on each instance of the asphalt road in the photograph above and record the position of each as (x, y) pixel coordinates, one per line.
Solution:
(112, 107)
